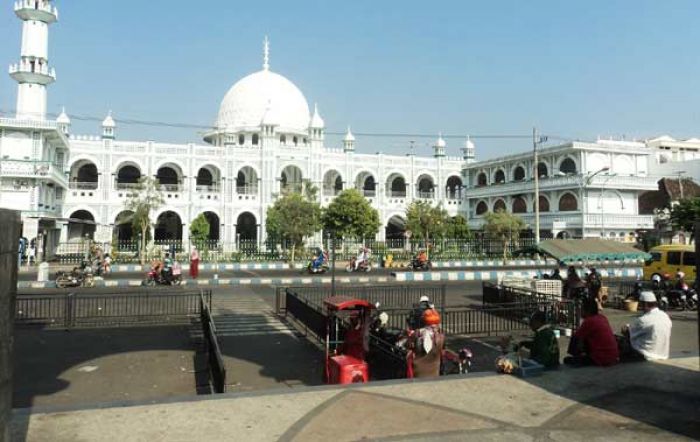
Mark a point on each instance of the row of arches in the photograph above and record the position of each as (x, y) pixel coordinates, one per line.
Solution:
(168, 226)
(566, 167)
(84, 174)
(567, 203)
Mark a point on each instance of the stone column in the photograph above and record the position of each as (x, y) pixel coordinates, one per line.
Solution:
(9, 236)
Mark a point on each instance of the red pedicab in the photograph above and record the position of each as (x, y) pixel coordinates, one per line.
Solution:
(345, 352)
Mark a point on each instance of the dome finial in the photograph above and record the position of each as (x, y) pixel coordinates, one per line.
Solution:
(266, 54)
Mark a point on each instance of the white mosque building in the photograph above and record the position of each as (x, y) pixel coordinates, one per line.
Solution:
(265, 140)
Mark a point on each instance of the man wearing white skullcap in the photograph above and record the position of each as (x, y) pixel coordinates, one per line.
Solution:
(649, 335)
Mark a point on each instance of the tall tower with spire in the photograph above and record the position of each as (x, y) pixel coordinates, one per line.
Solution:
(33, 72)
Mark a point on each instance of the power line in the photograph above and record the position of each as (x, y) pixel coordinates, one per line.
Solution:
(154, 123)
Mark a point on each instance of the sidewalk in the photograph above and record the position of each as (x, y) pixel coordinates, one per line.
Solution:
(642, 401)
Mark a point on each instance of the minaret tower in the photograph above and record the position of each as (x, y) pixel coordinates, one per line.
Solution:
(33, 72)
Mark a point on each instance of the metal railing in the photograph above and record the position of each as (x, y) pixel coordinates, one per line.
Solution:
(389, 296)
(247, 190)
(215, 359)
(77, 310)
(82, 185)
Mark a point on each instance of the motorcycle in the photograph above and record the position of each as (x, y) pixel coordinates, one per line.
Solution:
(322, 268)
(456, 363)
(79, 277)
(365, 266)
(154, 278)
(421, 265)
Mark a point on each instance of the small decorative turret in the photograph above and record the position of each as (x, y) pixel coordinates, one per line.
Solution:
(469, 151)
(63, 122)
(108, 126)
(316, 126)
(439, 147)
(349, 141)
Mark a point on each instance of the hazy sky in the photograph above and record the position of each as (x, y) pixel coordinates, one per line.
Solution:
(608, 67)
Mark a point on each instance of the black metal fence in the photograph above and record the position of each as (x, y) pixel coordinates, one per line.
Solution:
(215, 359)
(75, 310)
(389, 296)
(502, 294)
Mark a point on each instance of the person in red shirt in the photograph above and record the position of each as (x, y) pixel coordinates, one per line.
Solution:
(594, 342)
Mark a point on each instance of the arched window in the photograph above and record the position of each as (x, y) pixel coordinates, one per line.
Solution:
(519, 205)
(499, 206)
(481, 208)
(241, 140)
(499, 177)
(568, 166)
(568, 203)
(542, 170)
(544, 204)
(255, 139)
(283, 139)
(519, 174)
(481, 179)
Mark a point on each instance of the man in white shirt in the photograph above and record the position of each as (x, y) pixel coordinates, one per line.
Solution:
(649, 335)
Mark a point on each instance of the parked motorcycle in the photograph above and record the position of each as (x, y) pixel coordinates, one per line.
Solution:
(311, 270)
(79, 277)
(365, 266)
(418, 265)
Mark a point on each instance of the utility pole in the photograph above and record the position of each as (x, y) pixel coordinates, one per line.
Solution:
(680, 181)
(537, 186)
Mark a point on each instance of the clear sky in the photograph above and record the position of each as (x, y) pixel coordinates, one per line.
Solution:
(573, 69)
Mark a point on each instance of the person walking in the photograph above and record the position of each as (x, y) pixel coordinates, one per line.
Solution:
(194, 263)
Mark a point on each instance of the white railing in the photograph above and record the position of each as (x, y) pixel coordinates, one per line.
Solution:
(171, 187)
(425, 195)
(331, 192)
(613, 220)
(247, 190)
(35, 68)
(28, 168)
(82, 186)
(129, 149)
(396, 193)
(172, 150)
(36, 6)
(126, 186)
(208, 189)
(369, 193)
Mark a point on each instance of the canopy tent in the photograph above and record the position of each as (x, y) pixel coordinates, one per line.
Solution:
(585, 250)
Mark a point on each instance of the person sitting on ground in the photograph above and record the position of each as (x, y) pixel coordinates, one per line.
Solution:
(573, 283)
(544, 348)
(556, 275)
(415, 319)
(594, 342)
(648, 337)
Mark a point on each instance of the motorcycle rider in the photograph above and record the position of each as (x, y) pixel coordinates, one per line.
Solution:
(319, 259)
(167, 271)
(362, 257)
(415, 318)
(421, 258)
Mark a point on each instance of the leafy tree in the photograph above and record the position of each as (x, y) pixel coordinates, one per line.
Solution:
(292, 218)
(145, 199)
(685, 213)
(350, 215)
(457, 228)
(199, 231)
(504, 226)
(425, 221)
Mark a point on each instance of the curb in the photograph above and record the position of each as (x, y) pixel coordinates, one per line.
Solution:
(495, 275)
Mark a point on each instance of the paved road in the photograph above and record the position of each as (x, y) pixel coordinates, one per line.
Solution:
(32, 275)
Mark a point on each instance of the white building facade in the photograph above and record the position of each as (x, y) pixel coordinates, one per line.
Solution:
(265, 141)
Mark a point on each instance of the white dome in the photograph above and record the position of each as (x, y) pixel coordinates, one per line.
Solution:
(259, 94)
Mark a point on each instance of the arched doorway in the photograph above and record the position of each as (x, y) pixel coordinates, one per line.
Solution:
(214, 225)
(519, 174)
(453, 188)
(169, 176)
(499, 206)
(395, 231)
(481, 208)
(425, 186)
(291, 179)
(81, 223)
(168, 227)
(519, 205)
(247, 227)
(332, 183)
(247, 181)
(123, 229)
(499, 177)
(128, 176)
(568, 167)
(83, 175)
(568, 203)
(366, 184)
(396, 184)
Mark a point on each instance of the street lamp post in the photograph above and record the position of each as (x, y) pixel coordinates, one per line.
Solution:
(602, 204)
(586, 180)
(680, 181)
(537, 140)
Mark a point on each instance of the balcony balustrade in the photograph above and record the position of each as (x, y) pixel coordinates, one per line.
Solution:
(249, 189)
(82, 185)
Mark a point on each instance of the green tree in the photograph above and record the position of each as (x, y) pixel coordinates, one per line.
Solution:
(685, 213)
(199, 231)
(143, 201)
(505, 227)
(292, 218)
(457, 228)
(350, 215)
(425, 221)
